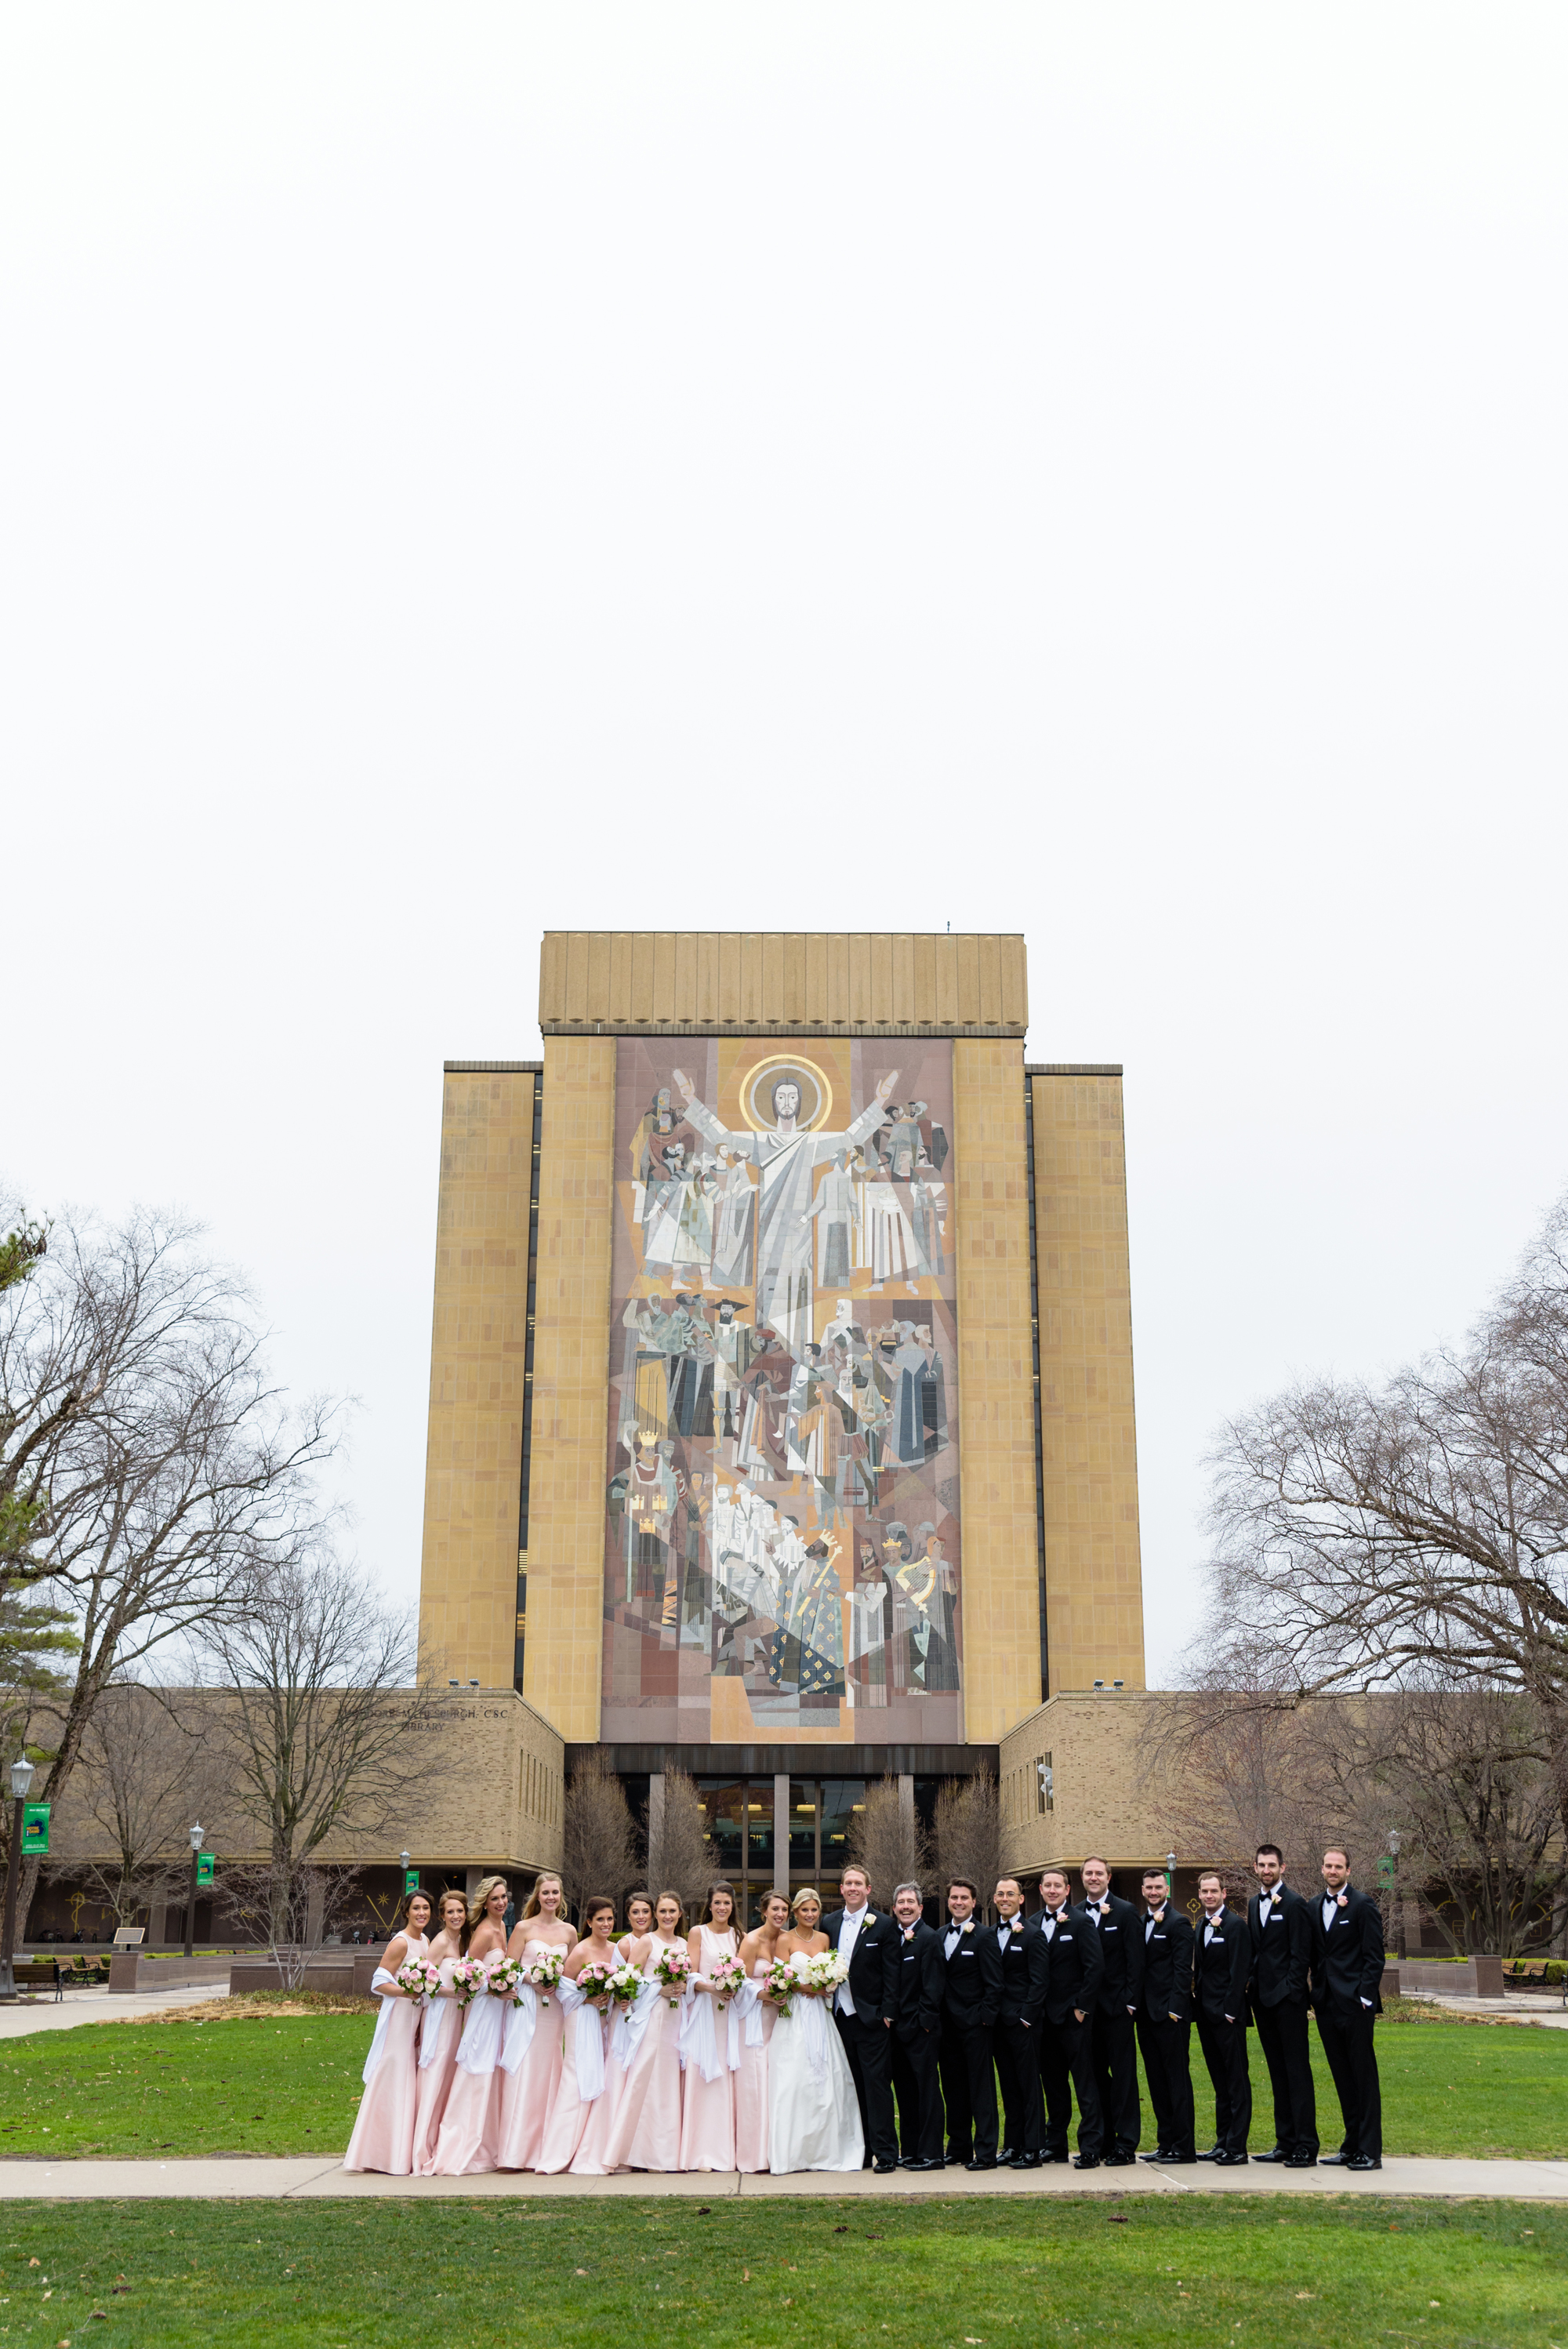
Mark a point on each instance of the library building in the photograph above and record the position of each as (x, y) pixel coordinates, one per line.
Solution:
(781, 1417)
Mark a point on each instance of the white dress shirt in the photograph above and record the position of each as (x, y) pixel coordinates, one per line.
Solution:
(849, 1932)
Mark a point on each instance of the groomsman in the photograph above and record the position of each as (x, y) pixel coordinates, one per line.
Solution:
(1279, 1922)
(971, 1991)
(1224, 1958)
(1075, 1969)
(867, 1940)
(918, 1985)
(1019, 2014)
(1165, 2021)
(1347, 1995)
(1113, 2044)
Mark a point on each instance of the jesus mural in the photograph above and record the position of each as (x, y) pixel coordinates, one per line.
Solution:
(786, 1156)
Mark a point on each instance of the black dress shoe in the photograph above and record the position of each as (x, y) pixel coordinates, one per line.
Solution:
(1230, 2161)
(932, 2162)
(1279, 2154)
(1157, 2155)
(981, 2161)
(1049, 2153)
(1334, 2160)
(1213, 2153)
(1362, 2161)
(1297, 2160)
(1120, 2158)
(1005, 2153)
(914, 2161)
(1086, 2161)
(884, 2168)
(1177, 2160)
(1027, 2161)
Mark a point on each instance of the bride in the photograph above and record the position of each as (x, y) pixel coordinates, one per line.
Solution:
(814, 2118)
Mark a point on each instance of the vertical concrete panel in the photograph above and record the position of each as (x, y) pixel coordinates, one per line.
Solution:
(995, 1393)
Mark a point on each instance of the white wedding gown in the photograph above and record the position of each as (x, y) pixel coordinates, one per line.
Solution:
(814, 2118)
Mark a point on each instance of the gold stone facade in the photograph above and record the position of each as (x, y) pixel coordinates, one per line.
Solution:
(1042, 1436)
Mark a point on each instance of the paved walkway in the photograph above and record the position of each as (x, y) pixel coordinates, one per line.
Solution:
(98, 2004)
(88, 2181)
(1519, 2006)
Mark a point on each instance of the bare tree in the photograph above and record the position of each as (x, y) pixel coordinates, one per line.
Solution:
(1368, 1536)
(680, 1858)
(968, 1832)
(599, 1842)
(886, 1840)
(319, 1722)
(145, 1777)
(293, 1912)
(145, 1452)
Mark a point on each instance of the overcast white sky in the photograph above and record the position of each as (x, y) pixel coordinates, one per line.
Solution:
(1096, 472)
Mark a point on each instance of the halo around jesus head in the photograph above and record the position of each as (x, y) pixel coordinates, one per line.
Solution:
(760, 1086)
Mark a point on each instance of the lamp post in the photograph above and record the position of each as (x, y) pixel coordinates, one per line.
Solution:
(21, 1781)
(1171, 1874)
(1394, 1903)
(198, 1837)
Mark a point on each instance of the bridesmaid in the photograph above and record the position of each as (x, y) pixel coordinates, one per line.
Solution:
(438, 2039)
(639, 1921)
(584, 2085)
(382, 2136)
(758, 1953)
(646, 2133)
(530, 2078)
(471, 2126)
(707, 2111)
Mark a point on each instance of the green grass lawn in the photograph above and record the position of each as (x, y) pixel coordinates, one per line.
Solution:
(290, 2084)
(837, 2274)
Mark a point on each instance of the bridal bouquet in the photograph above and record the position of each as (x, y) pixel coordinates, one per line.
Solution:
(673, 1970)
(469, 1977)
(544, 1971)
(418, 1978)
(503, 1976)
(625, 1984)
(784, 1977)
(594, 1979)
(728, 1975)
(825, 1972)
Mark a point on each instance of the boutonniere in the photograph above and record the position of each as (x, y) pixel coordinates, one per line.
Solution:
(969, 1927)
(1345, 1899)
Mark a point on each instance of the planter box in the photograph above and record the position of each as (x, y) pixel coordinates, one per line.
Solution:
(337, 1973)
(128, 1971)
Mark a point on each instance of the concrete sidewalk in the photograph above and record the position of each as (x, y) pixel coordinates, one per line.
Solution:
(310, 2176)
(100, 2004)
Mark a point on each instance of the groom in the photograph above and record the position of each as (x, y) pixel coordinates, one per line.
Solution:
(868, 1941)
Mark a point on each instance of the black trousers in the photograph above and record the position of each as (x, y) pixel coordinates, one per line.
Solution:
(1282, 2035)
(1347, 2042)
(1164, 2047)
(1017, 2053)
(1067, 2069)
(1114, 2047)
(1224, 2046)
(968, 2088)
(869, 2046)
(917, 2076)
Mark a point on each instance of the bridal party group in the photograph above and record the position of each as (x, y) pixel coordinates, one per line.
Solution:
(862, 2039)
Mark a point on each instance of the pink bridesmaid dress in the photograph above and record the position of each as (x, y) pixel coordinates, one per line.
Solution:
(471, 2126)
(529, 2089)
(581, 2086)
(646, 2131)
(708, 2108)
(438, 2062)
(383, 2136)
(756, 2021)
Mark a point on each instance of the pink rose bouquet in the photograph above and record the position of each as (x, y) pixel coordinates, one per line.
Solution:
(626, 1985)
(544, 1971)
(418, 1978)
(594, 1979)
(728, 1975)
(503, 1976)
(470, 1979)
(674, 1970)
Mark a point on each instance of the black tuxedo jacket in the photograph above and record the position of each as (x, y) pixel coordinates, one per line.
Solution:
(871, 1964)
(972, 1977)
(1348, 1959)
(1023, 1972)
(1282, 1949)
(919, 1979)
(1121, 1936)
(1166, 1966)
(1224, 1965)
(1075, 1963)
